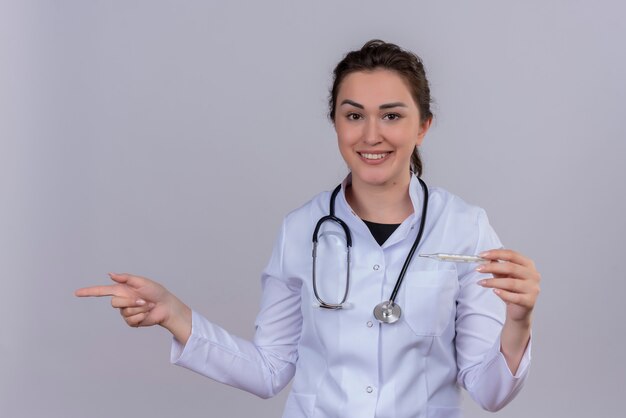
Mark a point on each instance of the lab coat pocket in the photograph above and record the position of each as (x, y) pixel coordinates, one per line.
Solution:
(430, 300)
(299, 405)
(444, 412)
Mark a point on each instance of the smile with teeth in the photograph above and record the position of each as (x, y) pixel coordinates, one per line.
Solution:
(377, 156)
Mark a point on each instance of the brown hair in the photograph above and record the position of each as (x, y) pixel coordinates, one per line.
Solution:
(378, 54)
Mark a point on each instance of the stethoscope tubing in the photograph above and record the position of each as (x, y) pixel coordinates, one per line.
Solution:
(389, 311)
(409, 257)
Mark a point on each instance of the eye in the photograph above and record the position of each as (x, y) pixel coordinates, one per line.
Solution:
(392, 116)
(353, 116)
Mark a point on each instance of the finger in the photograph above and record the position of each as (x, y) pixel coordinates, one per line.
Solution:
(126, 302)
(504, 269)
(508, 255)
(508, 284)
(529, 290)
(129, 279)
(109, 290)
(127, 312)
(515, 298)
(135, 320)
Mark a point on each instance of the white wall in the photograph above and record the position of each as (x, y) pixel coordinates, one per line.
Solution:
(168, 139)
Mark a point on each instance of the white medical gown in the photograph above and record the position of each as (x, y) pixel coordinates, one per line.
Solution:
(344, 362)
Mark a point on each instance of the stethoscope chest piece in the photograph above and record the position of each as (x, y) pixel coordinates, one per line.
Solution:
(387, 312)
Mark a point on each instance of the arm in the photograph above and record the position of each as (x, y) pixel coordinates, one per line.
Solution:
(493, 346)
(265, 365)
(516, 281)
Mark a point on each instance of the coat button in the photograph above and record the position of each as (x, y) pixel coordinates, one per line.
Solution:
(376, 267)
(370, 324)
(369, 389)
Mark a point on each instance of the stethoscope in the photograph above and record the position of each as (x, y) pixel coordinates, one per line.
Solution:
(388, 311)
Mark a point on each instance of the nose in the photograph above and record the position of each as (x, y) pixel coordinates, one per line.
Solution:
(371, 134)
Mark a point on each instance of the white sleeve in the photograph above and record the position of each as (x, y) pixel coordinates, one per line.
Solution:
(482, 368)
(265, 365)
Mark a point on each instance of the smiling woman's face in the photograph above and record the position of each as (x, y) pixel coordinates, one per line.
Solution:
(378, 125)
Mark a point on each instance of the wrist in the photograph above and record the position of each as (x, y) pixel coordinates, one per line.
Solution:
(515, 336)
(519, 323)
(178, 321)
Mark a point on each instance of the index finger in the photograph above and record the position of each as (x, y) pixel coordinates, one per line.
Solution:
(109, 290)
(507, 255)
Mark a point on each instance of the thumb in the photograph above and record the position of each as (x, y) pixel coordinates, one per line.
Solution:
(130, 280)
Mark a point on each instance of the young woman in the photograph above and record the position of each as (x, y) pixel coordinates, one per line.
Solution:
(368, 328)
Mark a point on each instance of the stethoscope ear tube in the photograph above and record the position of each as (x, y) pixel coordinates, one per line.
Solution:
(339, 222)
(323, 304)
(331, 217)
(346, 230)
(409, 257)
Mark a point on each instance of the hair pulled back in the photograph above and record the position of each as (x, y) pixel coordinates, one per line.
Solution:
(377, 54)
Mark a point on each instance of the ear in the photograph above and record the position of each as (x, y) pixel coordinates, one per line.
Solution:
(423, 129)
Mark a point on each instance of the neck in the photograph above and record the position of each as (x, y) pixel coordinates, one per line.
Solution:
(385, 204)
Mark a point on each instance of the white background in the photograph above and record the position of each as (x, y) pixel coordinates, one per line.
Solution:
(169, 138)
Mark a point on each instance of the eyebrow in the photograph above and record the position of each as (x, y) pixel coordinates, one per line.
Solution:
(382, 106)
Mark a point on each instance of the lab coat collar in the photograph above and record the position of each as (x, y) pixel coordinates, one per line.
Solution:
(417, 198)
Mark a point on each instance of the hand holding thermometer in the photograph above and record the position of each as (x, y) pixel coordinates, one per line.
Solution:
(456, 258)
